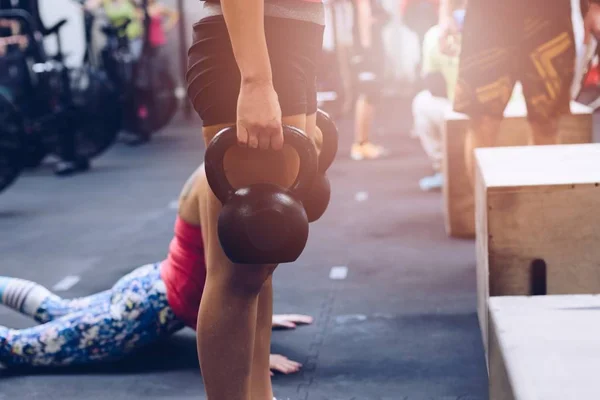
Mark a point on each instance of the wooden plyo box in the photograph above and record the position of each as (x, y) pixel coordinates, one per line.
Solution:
(538, 222)
(459, 208)
(544, 347)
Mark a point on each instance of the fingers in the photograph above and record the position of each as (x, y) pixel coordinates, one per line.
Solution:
(242, 135)
(264, 138)
(297, 318)
(264, 142)
(282, 364)
(280, 323)
(291, 320)
(252, 139)
(277, 139)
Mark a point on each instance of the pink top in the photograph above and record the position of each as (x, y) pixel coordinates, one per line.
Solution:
(184, 272)
(156, 33)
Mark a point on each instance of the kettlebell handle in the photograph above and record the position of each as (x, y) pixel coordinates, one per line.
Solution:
(227, 138)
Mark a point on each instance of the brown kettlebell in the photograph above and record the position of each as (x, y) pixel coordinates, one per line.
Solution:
(318, 197)
(261, 223)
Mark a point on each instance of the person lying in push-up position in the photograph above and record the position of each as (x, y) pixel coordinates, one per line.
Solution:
(147, 305)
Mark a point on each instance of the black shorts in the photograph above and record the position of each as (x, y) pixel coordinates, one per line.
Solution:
(505, 41)
(213, 76)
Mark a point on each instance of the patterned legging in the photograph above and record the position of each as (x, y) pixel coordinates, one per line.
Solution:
(102, 327)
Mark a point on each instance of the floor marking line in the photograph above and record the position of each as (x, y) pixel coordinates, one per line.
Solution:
(66, 283)
(361, 196)
(338, 273)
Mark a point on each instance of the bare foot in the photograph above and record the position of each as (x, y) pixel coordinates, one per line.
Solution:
(289, 321)
(283, 364)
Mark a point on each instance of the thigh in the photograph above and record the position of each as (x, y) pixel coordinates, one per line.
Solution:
(548, 54)
(213, 77)
(485, 78)
(139, 300)
(145, 273)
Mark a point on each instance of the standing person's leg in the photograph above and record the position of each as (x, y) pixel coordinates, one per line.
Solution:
(429, 116)
(364, 113)
(486, 75)
(228, 317)
(547, 71)
(235, 318)
(261, 382)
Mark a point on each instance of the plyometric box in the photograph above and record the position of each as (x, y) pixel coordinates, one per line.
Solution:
(459, 209)
(537, 222)
(544, 347)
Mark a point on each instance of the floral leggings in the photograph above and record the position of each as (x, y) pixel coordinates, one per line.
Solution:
(101, 327)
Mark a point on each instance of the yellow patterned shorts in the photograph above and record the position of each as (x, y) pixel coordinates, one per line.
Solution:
(506, 43)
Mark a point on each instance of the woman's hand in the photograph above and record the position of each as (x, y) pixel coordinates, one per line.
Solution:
(259, 116)
(283, 364)
(290, 321)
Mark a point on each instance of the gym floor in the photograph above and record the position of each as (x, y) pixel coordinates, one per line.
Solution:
(401, 325)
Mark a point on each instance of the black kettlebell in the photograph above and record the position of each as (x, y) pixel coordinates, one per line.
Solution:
(262, 223)
(317, 199)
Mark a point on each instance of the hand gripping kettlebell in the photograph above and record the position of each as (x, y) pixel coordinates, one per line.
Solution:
(261, 223)
(318, 197)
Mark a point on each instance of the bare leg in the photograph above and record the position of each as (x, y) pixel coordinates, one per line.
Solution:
(363, 119)
(482, 132)
(228, 317)
(261, 371)
(544, 132)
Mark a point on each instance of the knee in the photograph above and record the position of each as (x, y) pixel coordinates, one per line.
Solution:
(247, 280)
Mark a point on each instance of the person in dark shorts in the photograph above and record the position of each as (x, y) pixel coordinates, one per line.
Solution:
(504, 42)
(252, 65)
(369, 65)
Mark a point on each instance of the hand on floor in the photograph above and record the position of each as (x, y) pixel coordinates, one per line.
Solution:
(283, 364)
(289, 321)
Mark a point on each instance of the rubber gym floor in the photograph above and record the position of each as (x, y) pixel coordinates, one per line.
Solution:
(400, 326)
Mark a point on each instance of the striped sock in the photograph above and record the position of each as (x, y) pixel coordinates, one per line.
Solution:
(22, 295)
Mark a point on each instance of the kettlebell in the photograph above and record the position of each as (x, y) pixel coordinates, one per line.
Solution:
(317, 199)
(261, 223)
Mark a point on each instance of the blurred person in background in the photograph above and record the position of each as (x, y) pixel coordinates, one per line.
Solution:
(118, 12)
(418, 16)
(507, 41)
(17, 88)
(369, 65)
(162, 20)
(430, 106)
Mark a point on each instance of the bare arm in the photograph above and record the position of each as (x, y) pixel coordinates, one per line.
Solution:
(245, 23)
(258, 110)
